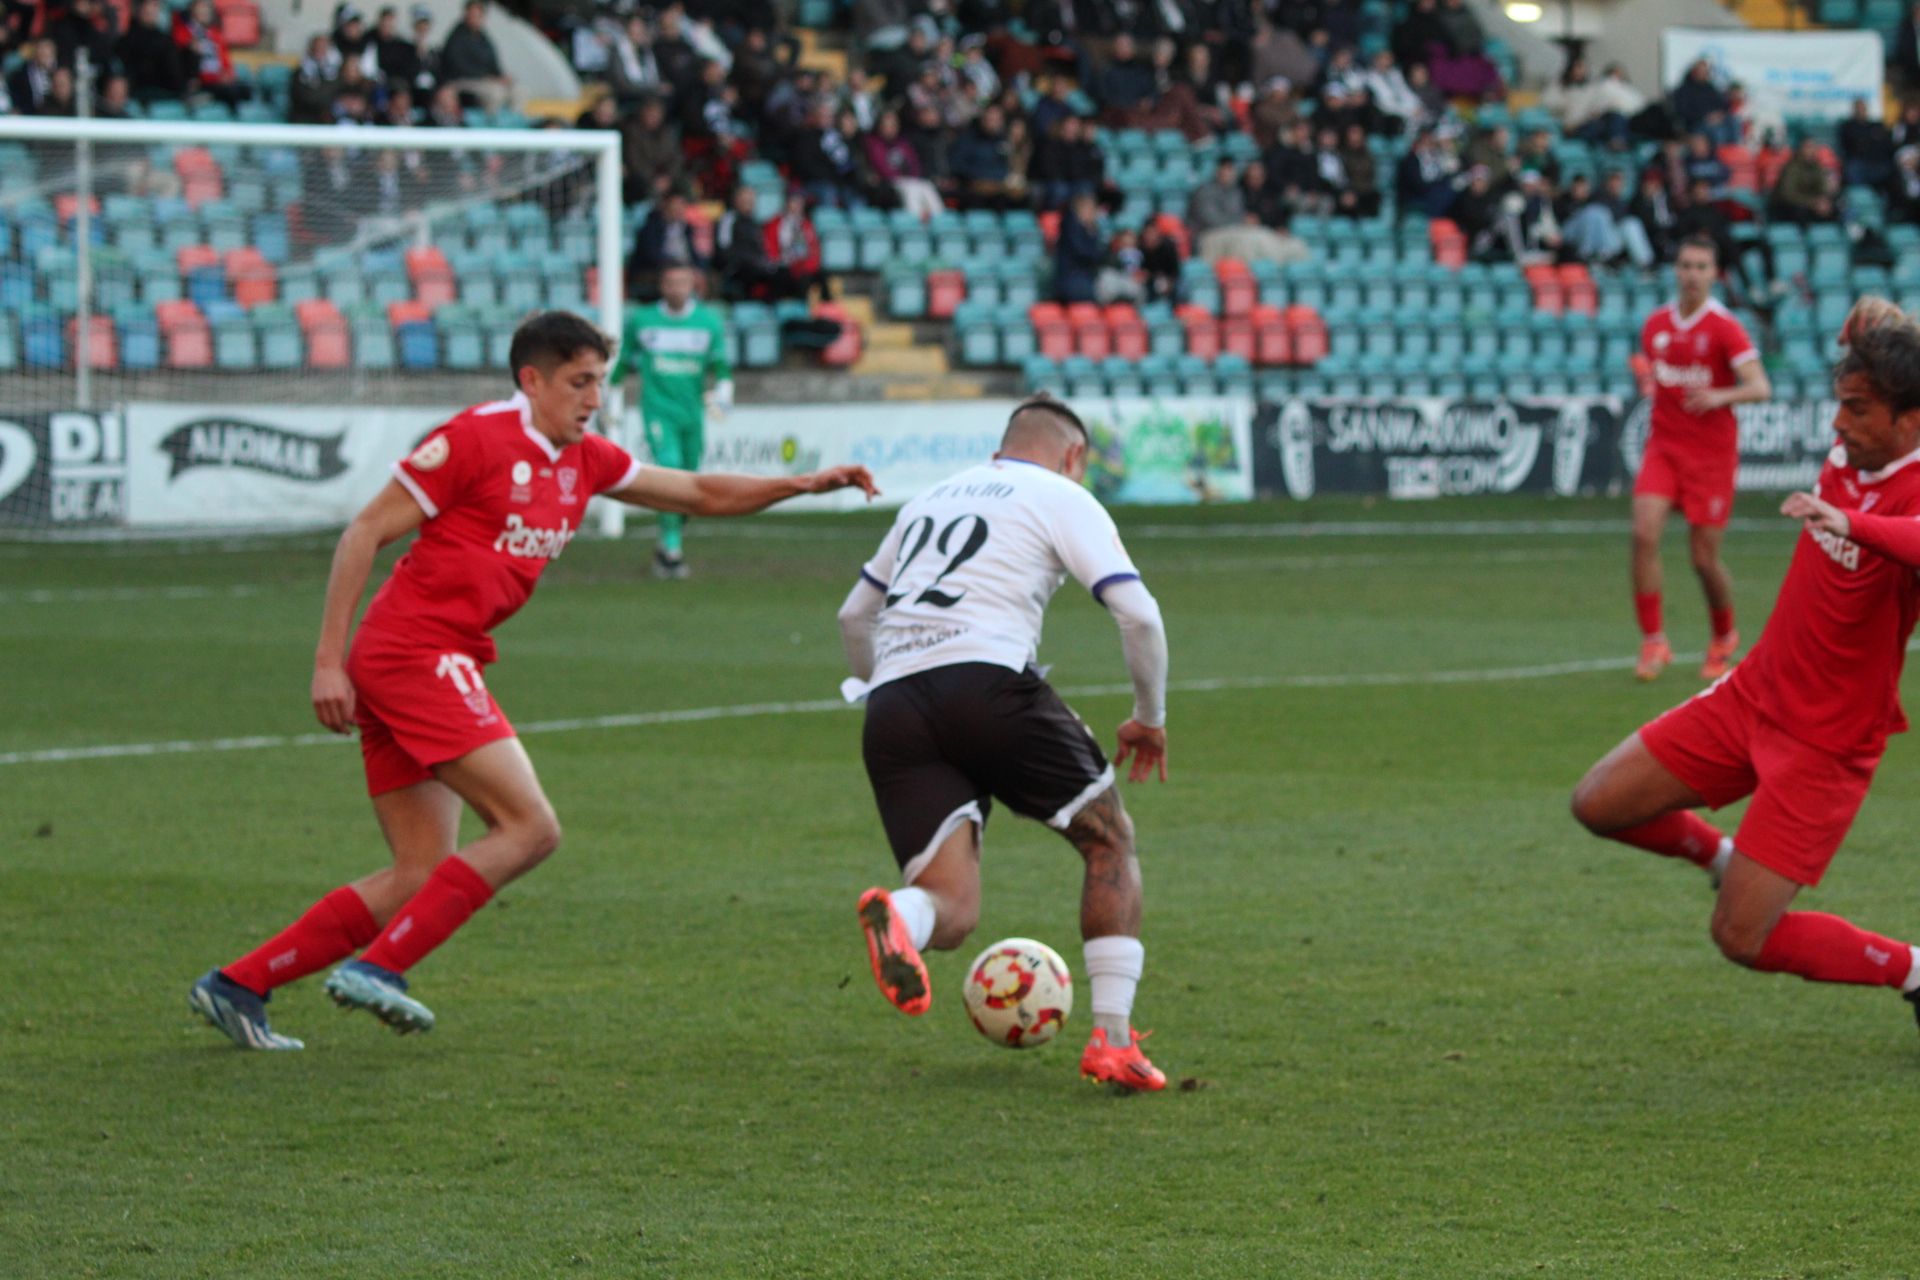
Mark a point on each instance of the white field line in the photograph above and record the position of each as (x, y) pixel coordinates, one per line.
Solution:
(124, 595)
(690, 715)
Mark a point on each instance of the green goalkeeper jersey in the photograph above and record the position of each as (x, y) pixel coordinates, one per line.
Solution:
(674, 354)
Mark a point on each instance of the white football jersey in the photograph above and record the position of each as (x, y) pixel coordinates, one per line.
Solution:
(969, 566)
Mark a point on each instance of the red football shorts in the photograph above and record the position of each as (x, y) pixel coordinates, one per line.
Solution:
(1699, 483)
(1804, 798)
(417, 708)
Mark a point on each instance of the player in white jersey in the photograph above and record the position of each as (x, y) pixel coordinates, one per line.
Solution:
(941, 633)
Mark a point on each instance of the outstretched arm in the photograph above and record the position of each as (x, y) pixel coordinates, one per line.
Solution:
(1143, 639)
(391, 515)
(1895, 537)
(693, 494)
(1752, 388)
(857, 618)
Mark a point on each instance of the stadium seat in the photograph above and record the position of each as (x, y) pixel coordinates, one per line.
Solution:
(845, 349)
(1089, 330)
(1202, 332)
(184, 333)
(250, 277)
(1127, 330)
(977, 331)
(946, 289)
(1052, 336)
(102, 350)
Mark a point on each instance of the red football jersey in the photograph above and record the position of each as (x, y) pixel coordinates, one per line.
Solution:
(1701, 351)
(501, 501)
(1827, 667)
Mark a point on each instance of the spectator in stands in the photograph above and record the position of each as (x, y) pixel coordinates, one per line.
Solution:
(1424, 179)
(1588, 228)
(665, 238)
(881, 24)
(1657, 215)
(351, 37)
(1273, 112)
(1903, 188)
(1125, 89)
(1530, 222)
(893, 161)
(1866, 148)
(1294, 167)
(929, 138)
(1160, 259)
(1279, 52)
(1700, 106)
(1418, 35)
(1340, 109)
(794, 247)
(443, 109)
(1805, 191)
(1123, 276)
(31, 84)
(85, 26)
(60, 102)
(673, 50)
(1079, 253)
(149, 56)
(1600, 111)
(740, 249)
(650, 153)
(1903, 52)
(400, 112)
(1361, 198)
(1200, 79)
(420, 68)
(1218, 202)
(1476, 210)
(824, 164)
(859, 96)
(1535, 152)
(115, 99)
(1400, 110)
(1459, 65)
(1703, 216)
(471, 64)
(1492, 149)
(633, 73)
(981, 163)
(1705, 165)
(196, 31)
(1263, 201)
(355, 97)
(1906, 130)
(311, 93)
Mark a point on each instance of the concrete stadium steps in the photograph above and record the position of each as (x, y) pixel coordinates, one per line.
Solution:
(824, 51)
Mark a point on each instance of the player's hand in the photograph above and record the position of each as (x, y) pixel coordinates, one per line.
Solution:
(1704, 399)
(843, 477)
(1818, 516)
(333, 698)
(1146, 748)
(715, 407)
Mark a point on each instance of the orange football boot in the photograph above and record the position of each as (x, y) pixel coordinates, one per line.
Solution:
(1126, 1067)
(1720, 656)
(897, 967)
(1656, 655)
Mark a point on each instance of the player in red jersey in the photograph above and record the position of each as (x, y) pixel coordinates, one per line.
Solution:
(1696, 363)
(495, 494)
(1801, 724)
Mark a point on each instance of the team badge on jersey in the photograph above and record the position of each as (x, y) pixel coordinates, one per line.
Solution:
(431, 455)
(568, 479)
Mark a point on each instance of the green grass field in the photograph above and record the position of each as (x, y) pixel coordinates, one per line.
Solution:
(1430, 1027)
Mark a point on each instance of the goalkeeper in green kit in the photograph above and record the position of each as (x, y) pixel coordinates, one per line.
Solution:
(674, 344)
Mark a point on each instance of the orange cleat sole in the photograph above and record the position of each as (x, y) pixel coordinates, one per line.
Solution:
(897, 968)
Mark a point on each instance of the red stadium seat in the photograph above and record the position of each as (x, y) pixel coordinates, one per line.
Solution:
(1237, 336)
(1743, 171)
(1176, 230)
(412, 311)
(189, 343)
(845, 349)
(65, 206)
(200, 179)
(1127, 330)
(1308, 332)
(190, 258)
(1238, 291)
(1050, 332)
(1203, 332)
(1050, 227)
(250, 277)
(1448, 242)
(1272, 344)
(946, 290)
(315, 313)
(326, 333)
(103, 349)
(239, 22)
(425, 260)
(1089, 327)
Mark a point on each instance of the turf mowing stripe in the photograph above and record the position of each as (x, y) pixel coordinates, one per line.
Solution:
(689, 715)
(120, 595)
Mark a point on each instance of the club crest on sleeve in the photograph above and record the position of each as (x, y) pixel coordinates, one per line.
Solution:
(431, 455)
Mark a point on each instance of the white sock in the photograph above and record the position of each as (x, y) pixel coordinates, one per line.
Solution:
(915, 908)
(1721, 857)
(1114, 965)
(1913, 975)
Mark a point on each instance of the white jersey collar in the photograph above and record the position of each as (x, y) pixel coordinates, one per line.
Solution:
(1875, 477)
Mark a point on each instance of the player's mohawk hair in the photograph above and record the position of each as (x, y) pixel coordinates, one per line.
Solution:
(1044, 403)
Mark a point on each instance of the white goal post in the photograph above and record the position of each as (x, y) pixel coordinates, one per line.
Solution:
(270, 269)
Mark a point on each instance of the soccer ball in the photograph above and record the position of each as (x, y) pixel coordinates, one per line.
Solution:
(1019, 993)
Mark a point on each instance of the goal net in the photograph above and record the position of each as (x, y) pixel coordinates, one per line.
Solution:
(222, 325)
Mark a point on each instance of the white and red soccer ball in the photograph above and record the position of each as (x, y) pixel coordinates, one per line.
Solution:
(1019, 993)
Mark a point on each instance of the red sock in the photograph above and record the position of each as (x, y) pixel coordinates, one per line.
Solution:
(332, 929)
(1647, 607)
(1722, 622)
(1824, 948)
(451, 894)
(1681, 834)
